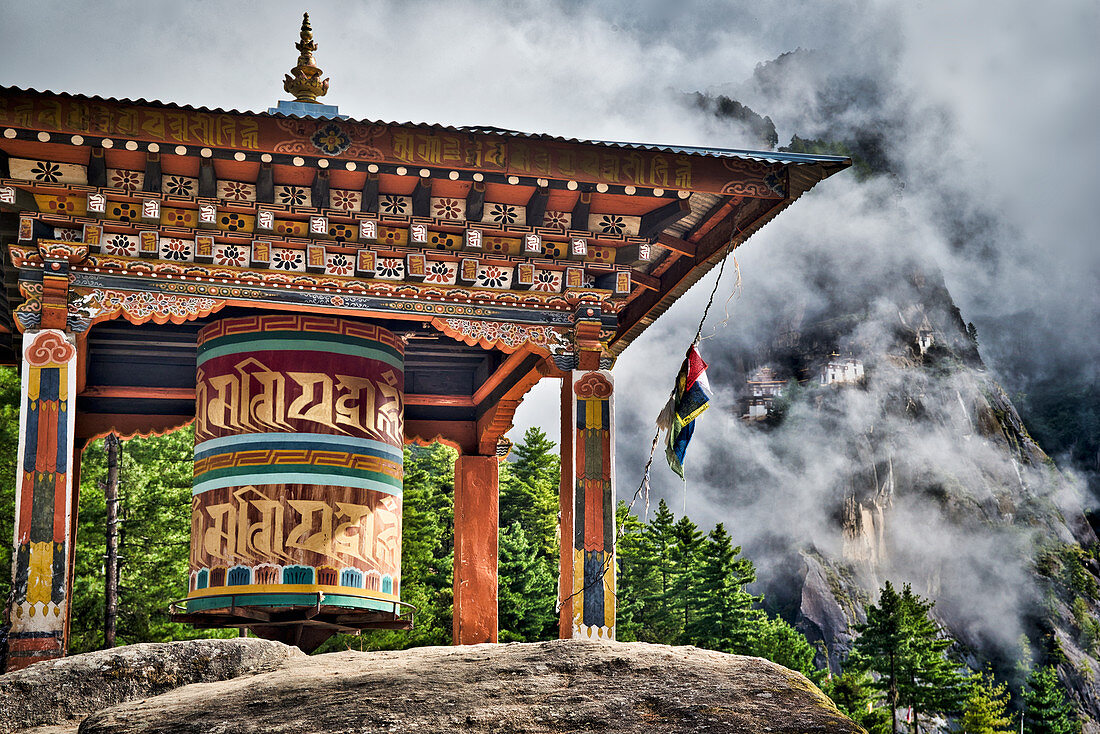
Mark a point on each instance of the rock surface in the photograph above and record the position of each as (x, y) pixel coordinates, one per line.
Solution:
(57, 692)
(560, 686)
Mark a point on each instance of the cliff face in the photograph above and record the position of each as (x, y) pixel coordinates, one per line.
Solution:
(938, 484)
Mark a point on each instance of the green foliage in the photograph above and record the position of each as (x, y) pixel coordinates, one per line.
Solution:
(1046, 709)
(725, 614)
(677, 587)
(722, 107)
(525, 597)
(1088, 627)
(527, 570)
(907, 650)
(855, 696)
(985, 709)
(154, 542)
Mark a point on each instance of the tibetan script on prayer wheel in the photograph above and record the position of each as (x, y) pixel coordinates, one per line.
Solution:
(298, 464)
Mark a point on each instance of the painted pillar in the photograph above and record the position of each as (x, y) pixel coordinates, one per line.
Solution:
(587, 581)
(39, 607)
(477, 523)
(298, 465)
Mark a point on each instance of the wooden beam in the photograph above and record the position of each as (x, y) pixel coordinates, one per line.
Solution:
(514, 360)
(370, 194)
(460, 435)
(476, 514)
(649, 305)
(581, 211)
(208, 181)
(422, 197)
(128, 391)
(646, 281)
(265, 185)
(677, 245)
(475, 202)
(319, 190)
(447, 401)
(656, 221)
(536, 206)
(90, 426)
(152, 173)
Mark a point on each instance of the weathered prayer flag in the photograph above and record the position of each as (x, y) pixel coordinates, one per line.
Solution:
(690, 399)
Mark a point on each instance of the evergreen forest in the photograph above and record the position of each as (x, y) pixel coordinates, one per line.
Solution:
(678, 584)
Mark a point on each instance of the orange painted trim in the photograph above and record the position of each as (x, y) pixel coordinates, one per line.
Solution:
(120, 391)
(514, 360)
(714, 220)
(460, 435)
(91, 426)
(450, 401)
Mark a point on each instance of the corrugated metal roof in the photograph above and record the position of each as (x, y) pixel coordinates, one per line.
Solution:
(753, 155)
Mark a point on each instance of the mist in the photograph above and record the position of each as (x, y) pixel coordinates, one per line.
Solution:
(984, 115)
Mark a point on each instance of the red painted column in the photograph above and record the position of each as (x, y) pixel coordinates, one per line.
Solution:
(475, 563)
(565, 508)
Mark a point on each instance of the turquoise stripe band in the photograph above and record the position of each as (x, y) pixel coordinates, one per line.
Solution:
(328, 442)
(245, 599)
(286, 475)
(265, 343)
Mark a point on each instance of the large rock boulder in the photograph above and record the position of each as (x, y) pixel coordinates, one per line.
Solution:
(561, 686)
(54, 692)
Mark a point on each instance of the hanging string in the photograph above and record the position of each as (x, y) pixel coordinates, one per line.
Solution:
(643, 486)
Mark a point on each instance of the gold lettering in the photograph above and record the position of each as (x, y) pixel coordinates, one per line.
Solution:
(683, 172)
(387, 534)
(250, 134)
(309, 407)
(313, 512)
(177, 126)
(349, 408)
(402, 145)
(352, 537)
(220, 534)
(152, 124)
(222, 410)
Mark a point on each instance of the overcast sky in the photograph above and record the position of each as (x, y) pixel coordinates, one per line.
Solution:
(998, 103)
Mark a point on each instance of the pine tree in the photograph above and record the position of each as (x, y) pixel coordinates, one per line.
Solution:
(664, 620)
(636, 577)
(985, 710)
(525, 588)
(1046, 710)
(881, 645)
(855, 696)
(930, 681)
(725, 617)
(685, 555)
(776, 640)
(529, 491)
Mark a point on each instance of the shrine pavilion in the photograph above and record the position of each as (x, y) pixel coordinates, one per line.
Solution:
(312, 292)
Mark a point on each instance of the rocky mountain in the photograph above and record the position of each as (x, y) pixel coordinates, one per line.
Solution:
(937, 483)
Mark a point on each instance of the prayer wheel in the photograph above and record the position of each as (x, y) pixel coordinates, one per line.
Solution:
(296, 507)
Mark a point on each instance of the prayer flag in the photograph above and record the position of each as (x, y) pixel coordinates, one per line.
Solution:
(689, 400)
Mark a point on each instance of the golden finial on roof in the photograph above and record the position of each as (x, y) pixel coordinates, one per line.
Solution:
(304, 80)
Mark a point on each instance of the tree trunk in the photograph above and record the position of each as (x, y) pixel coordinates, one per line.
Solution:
(110, 491)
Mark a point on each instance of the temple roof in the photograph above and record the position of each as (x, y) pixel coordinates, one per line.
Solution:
(839, 162)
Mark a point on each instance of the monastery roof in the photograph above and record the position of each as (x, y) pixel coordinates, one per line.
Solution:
(739, 153)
